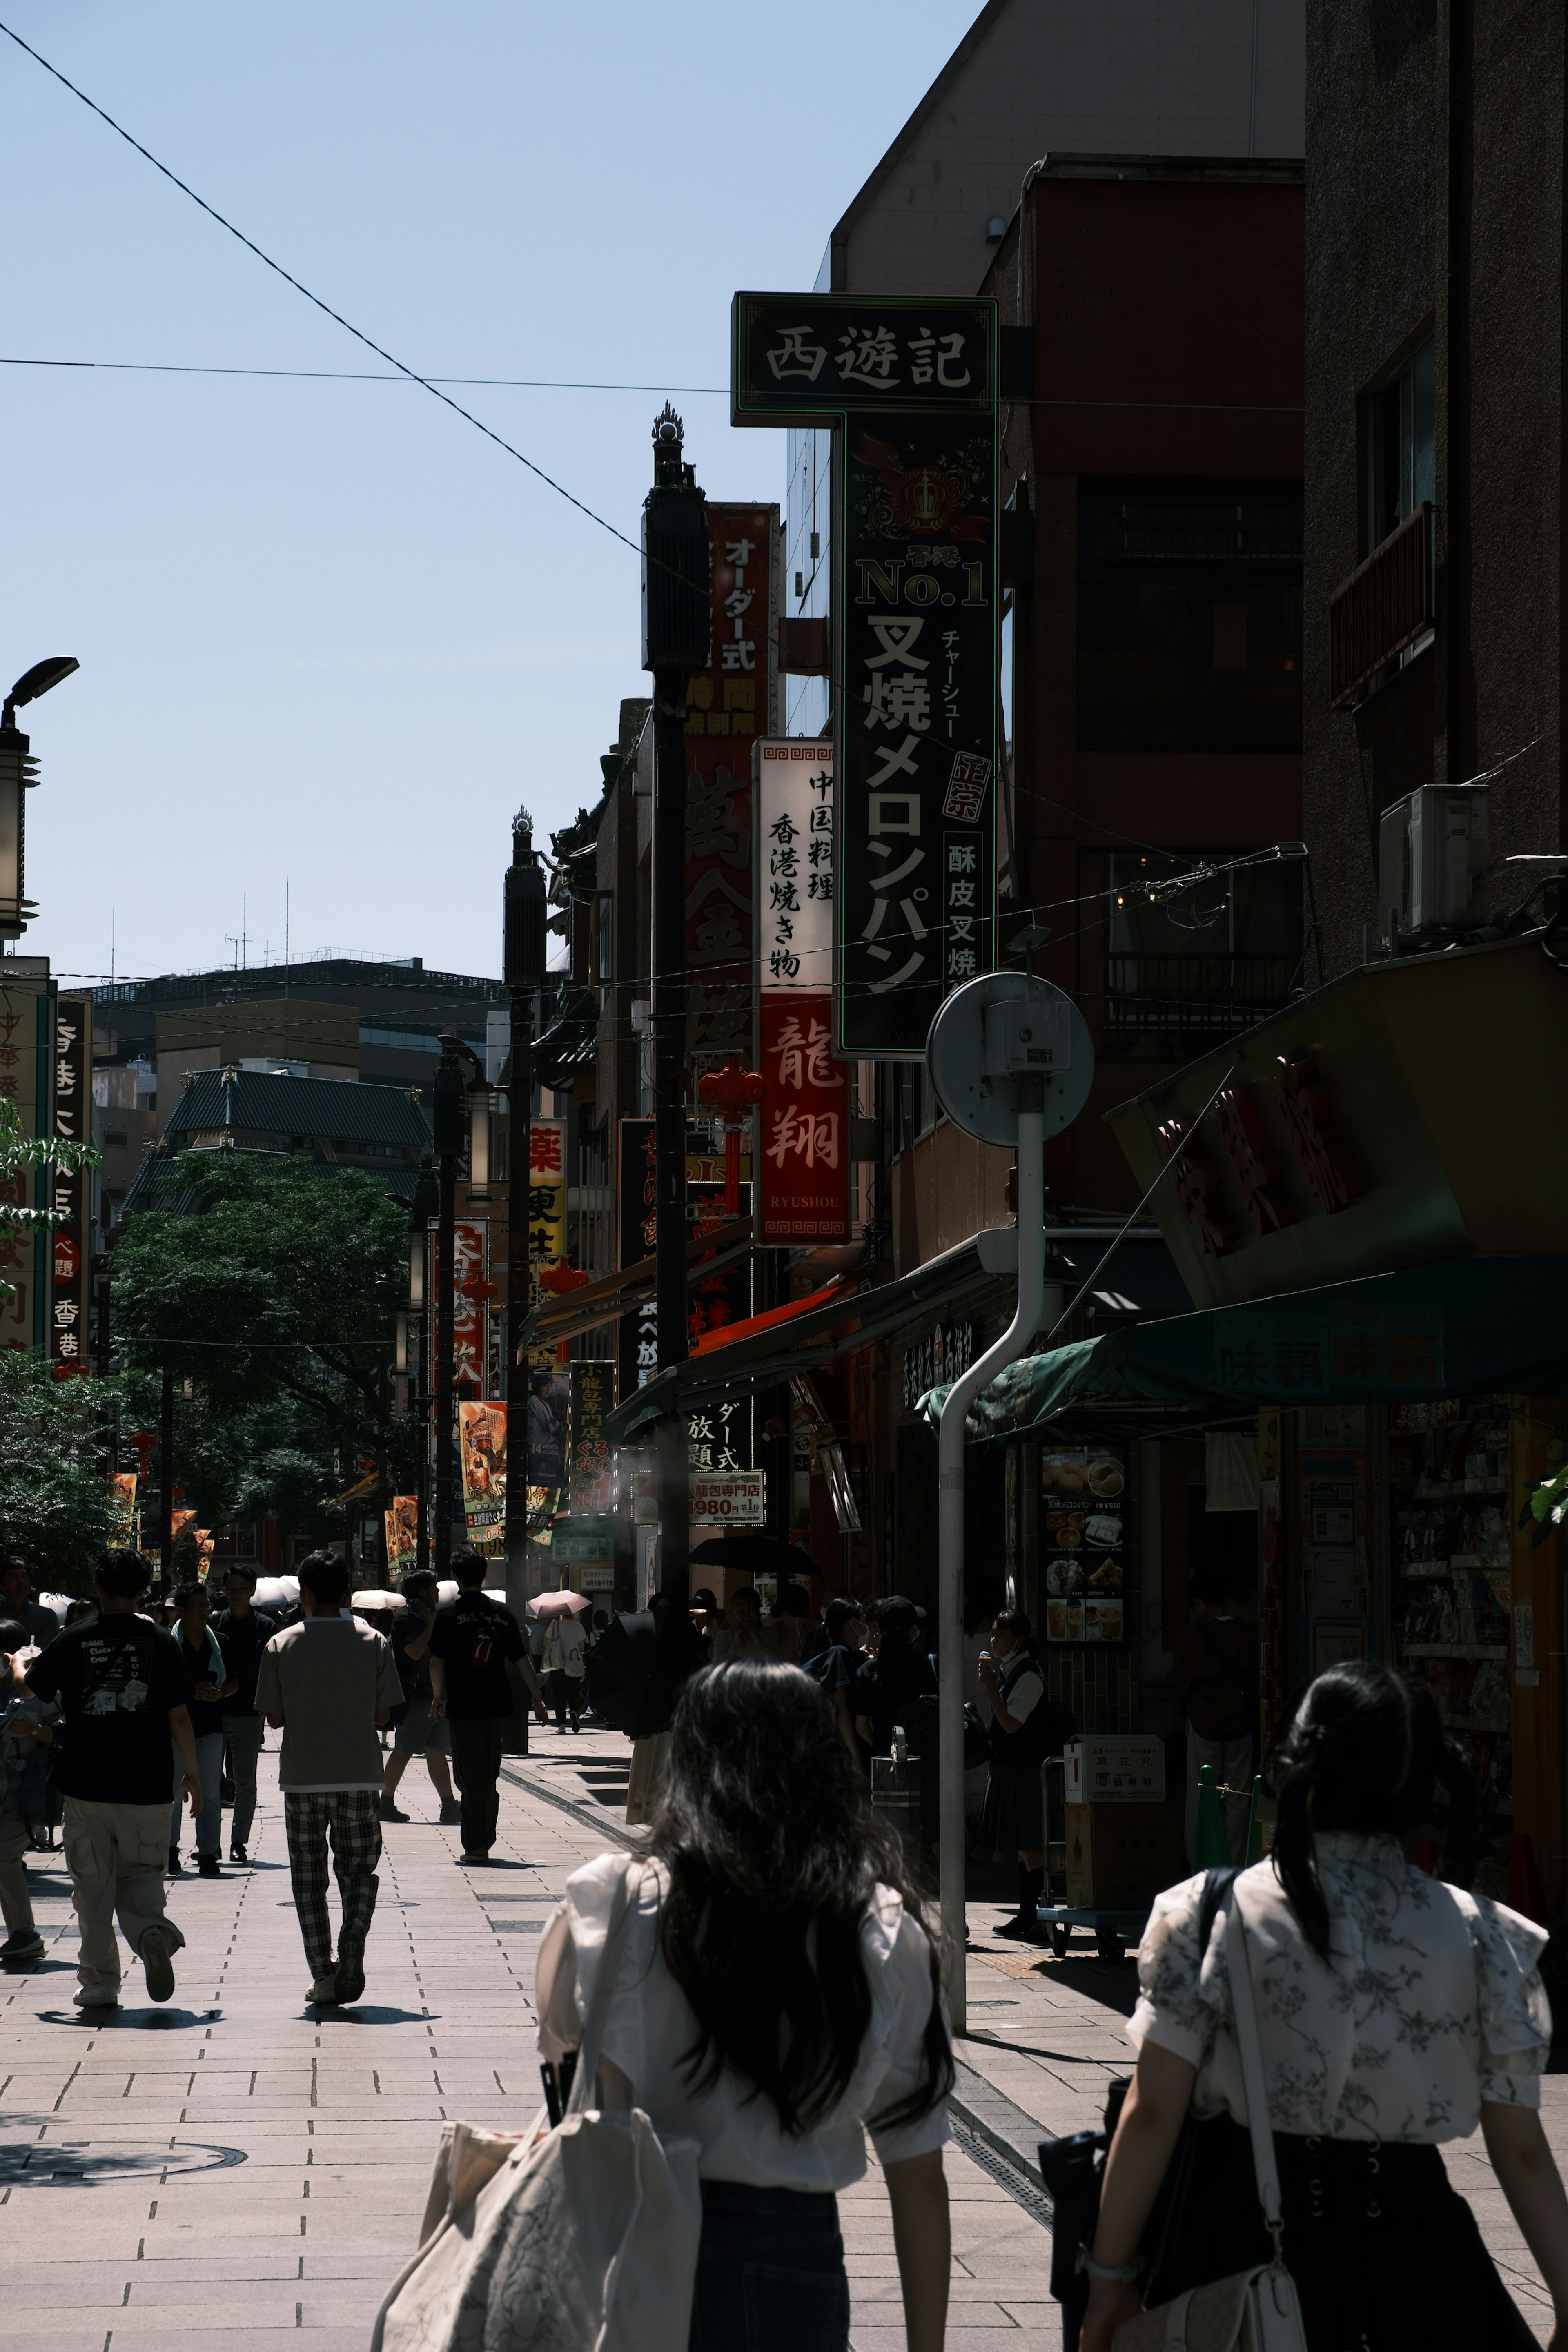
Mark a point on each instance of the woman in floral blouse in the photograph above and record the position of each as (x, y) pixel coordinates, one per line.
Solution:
(1394, 2013)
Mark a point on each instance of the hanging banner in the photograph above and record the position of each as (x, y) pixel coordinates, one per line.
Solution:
(402, 1533)
(909, 386)
(467, 1312)
(727, 708)
(25, 1283)
(546, 1212)
(549, 1404)
(482, 1437)
(71, 1195)
(713, 1299)
(803, 1170)
(593, 1471)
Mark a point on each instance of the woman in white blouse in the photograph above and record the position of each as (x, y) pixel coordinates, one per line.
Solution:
(1394, 2013)
(776, 1996)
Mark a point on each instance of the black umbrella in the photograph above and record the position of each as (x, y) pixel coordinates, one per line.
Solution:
(761, 1555)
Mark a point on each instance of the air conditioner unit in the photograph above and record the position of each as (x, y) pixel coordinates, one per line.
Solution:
(1432, 853)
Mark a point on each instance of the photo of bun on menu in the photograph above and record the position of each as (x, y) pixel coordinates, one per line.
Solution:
(1082, 1494)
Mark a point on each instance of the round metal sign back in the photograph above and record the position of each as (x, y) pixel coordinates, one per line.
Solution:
(996, 1029)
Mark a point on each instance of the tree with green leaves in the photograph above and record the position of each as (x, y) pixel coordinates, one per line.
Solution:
(270, 1294)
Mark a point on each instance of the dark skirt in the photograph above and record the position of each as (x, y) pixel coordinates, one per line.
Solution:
(1014, 1821)
(1385, 2254)
(770, 2273)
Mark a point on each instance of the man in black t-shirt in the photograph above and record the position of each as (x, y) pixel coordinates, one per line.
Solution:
(470, 1643)
(124, 1692)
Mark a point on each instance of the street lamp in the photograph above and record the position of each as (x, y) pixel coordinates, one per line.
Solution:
(19, 771)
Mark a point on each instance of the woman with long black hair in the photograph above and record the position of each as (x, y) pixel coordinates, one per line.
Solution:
(1394, 2013)
(777, 1991)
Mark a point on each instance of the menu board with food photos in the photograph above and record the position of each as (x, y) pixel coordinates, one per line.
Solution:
(1083, 1492)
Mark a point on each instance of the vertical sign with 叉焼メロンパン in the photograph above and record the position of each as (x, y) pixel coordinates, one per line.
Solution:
(728, 707)
(70, 1192)
(803, 1121)
(908, 385)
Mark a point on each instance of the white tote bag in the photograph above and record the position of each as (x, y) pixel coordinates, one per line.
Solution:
(1255, 2310)
(580, 2239)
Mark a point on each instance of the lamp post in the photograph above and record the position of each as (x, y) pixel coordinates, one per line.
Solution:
(18, 770)
(426, 1203)
(676, 639)
(446, 1120)
(522, 969)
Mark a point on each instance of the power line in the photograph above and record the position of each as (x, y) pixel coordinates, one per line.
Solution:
(391, 358)
(366, 375)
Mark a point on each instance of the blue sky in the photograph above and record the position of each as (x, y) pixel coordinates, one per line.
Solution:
(329, 635)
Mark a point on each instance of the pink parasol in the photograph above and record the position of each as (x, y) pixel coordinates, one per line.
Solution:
(558, 1604)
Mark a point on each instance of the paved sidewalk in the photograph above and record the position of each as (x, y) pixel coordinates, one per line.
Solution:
(240, 2164)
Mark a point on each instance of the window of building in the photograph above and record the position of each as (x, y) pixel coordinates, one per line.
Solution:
(1401, 445)
(1197, 960)
(115, 1139)
(1189, 616)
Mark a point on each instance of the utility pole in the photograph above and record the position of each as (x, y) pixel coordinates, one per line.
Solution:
(676, 639)
(447, 1121)
(427, 1200)
(166, 1484)
(522, 969)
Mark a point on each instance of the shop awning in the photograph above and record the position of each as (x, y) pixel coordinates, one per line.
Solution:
(979, 1275)
(1463, 1325)
(611, 1294)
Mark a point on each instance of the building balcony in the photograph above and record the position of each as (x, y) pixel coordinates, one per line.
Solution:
(1382, 609)
(1168, 1008)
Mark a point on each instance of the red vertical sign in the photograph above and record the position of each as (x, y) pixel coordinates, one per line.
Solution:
(728, 707)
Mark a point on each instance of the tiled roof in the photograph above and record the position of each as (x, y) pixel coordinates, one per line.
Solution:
(253, 1104)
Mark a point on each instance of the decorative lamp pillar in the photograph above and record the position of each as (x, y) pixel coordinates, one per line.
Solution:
(732, 1091)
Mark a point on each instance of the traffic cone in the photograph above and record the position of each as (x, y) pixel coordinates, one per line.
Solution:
(1255, 1823)
(1212, 1843)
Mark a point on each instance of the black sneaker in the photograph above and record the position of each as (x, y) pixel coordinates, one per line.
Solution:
(173, 1869)
(27, 1944)
(1026, 1930)
(350, 1983)
(237, 1853)
(209, 1866)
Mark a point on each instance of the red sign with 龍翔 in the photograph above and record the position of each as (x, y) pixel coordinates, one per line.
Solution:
(803, 1139)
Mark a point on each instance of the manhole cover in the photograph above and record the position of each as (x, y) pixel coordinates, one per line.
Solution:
(38, 2163)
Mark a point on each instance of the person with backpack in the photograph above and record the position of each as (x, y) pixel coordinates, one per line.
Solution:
(1214, 1677)
(1394, 2013)
(472, 1642)
(776, 1994)
(1026, 1727)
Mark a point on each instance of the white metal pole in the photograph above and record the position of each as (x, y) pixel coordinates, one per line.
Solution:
(950, 1530)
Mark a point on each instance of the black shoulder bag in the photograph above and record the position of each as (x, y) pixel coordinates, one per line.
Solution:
(1074, 2168)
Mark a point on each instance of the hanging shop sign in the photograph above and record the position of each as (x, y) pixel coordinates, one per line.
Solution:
(943, 1357)
(803, 1173)
(1083, 1493)
(714, 1299)
(907, 386)
(546, 1212)
(481, 1431)
(70, 1193)
(122, 1507)
(728, 707)
(549, 1412)
(468, 1311)
(402, 1533)
(593, 1470)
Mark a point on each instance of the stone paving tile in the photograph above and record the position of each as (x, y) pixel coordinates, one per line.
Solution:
(336, 2114)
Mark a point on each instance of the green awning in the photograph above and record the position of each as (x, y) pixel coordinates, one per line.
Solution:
(1461, 1325)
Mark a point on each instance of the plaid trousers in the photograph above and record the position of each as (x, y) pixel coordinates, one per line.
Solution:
(349, 1816)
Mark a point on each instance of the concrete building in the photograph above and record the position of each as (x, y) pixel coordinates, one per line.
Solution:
(1032, 79)
(1434, 436)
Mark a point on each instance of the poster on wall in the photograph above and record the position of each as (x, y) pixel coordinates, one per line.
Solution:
(402, 1533)
(549, 1404)
(1082, 1544)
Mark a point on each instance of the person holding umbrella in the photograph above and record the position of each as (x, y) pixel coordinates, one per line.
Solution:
(564, 1646)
